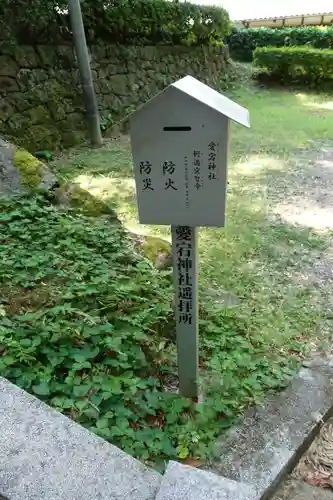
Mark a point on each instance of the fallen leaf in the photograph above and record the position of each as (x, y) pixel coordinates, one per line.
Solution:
(192, 462)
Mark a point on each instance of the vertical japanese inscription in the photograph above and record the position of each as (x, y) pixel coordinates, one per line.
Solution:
(145, 171)
(168, 171)
(184, 262)
(197, 169)
(212, 147)
(184, 256)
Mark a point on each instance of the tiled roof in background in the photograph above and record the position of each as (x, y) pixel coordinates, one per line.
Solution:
(261, 9)
(288, 15)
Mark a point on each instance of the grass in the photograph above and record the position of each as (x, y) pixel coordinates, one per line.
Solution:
(86, 323)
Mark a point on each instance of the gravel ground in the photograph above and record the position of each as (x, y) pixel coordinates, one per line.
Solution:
(304, 195)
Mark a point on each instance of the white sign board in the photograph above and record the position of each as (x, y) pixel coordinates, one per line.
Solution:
(180, 149)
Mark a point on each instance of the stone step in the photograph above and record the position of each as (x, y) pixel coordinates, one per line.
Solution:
(181, 482)
(46, 456)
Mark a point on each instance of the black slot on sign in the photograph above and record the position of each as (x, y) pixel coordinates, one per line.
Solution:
(177, 129)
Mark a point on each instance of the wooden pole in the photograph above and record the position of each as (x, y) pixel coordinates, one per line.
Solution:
(185, 271)
(82, 55)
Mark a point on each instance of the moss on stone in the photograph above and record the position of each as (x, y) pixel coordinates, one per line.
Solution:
(78, 198)
(90, 205)
(157, 250)
(30, 168)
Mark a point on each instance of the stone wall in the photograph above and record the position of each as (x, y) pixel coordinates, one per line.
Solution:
(41, 104)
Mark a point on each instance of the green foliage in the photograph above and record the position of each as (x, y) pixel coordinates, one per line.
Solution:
(301, 64)
(44, 155)
(86, 325)
(242, 42)
(125, 22)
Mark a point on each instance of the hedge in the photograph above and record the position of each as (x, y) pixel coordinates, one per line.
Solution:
(242, 42)
(127, 22)
(303, 64)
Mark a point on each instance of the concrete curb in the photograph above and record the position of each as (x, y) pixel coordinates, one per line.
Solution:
(46, 456)
(181, 482)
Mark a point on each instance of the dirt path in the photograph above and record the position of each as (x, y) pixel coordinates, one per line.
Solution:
(304, 195)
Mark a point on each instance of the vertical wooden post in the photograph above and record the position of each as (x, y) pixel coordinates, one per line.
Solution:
(81, 49)
(185, 270)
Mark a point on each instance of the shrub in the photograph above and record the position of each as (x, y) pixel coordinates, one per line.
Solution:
(242, 42)
(304, 64)
(117, 21)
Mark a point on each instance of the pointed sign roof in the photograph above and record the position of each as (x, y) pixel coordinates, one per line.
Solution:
(205, 94)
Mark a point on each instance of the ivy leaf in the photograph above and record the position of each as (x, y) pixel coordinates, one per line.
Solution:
(41, 389)
(102, 423)
(86, 354)
(80, 405)
(112, 386)
(8, 360)
(182, 451)
(96, 399)
(80, 390)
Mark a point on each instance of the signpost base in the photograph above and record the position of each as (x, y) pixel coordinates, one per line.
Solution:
(185, 270)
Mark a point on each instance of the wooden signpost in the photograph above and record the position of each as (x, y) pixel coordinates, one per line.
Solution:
(180, 150)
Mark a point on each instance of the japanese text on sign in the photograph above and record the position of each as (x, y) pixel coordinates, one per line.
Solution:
(168, 171)
(184, 262)
(197, 169)
(145, 171)
(212, 161)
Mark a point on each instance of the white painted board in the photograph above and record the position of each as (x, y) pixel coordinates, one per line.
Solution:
(181, 175)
